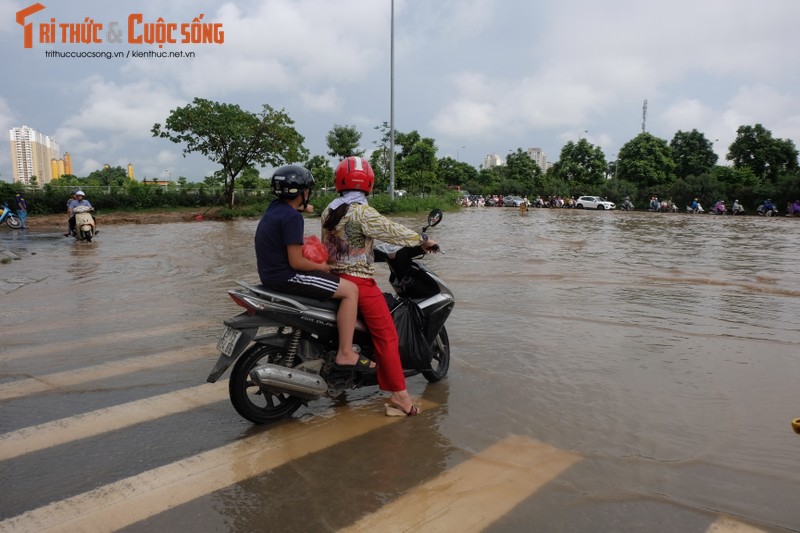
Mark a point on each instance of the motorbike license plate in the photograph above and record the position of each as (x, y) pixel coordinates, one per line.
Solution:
(227, 341)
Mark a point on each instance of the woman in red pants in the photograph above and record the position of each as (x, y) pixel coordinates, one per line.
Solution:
(349, 227)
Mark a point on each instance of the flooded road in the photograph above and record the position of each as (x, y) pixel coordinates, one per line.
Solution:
(610, 371)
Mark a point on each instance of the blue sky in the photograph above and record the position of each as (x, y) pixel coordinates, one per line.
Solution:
(479, 76)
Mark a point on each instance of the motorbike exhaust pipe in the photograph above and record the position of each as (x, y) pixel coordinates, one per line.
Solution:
(291, 381)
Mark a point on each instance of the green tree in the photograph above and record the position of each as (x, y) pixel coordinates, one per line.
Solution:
(379, 160)
(521, 174)
(647, 161)
(693, 153)
(233, 137)
(406, 143)
(251, 179)
(452, 172)
(108, 176)
(343, 142)
(322, 171)
(417, 164)
(582, 164)
(66, 180)
(767, 157)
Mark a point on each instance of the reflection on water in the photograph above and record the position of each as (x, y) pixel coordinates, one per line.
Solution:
(660, 347)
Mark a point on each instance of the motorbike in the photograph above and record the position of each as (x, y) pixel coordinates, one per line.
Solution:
(627, 205)
(11, 219)
(767, 211)
(282, 347)
(84, 224)
(719, 209)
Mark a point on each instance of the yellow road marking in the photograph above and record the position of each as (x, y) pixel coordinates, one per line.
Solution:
(42, 436)
(68, 378)
(119, 504)
(74, 346)
(475, 493)
(728, 525)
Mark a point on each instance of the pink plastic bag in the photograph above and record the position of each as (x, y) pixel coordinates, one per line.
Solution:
(314, 250)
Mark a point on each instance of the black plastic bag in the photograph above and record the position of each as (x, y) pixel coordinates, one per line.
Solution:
(415, 352)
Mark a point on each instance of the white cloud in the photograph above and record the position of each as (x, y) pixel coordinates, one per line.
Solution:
(327, 100)
(467, 118)
(687, 115)
(476, 73)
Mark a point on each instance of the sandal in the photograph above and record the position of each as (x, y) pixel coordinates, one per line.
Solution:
(363, 365)
(393, 410)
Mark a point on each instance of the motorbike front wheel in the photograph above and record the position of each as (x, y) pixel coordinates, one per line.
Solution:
(14, 222)
(440, 363)
(253, 403)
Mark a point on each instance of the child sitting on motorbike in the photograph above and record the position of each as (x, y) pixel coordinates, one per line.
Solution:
(282, 267)
(349, 228)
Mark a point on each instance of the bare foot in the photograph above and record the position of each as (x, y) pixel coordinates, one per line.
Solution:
(402, 401)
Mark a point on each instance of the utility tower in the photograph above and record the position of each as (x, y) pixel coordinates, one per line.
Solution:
(644, 115)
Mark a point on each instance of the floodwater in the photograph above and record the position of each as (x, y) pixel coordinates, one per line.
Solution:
(610, 371)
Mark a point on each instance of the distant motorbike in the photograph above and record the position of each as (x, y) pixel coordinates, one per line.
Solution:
(627, 205)
(719, 209)
(11, 220)
(291, 362)
(84, 224)
(767, 210)
(695, 209)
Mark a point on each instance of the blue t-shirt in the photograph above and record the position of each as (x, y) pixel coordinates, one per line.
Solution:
(280, 226)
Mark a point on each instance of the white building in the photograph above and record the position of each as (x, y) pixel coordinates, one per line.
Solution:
(31, 155)
(539, 157)
(492, 160)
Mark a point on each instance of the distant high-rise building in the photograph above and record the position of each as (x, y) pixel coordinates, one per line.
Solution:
(130, 171)
(492, 160)
(539, 157)
(57, 168)
(32, 153)
(67, 164)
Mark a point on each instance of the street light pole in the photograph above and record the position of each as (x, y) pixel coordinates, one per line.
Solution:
(391, 108)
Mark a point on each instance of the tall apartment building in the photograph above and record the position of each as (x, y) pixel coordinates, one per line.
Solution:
(492, 160)
(539, 157)
(32, 154)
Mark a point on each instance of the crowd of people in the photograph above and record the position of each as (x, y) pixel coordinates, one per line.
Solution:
(655, 204)
(497, 200)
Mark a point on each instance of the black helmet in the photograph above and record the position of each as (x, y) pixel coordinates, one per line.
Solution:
(290, 180)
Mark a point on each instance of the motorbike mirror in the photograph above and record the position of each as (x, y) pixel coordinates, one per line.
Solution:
(434, 217)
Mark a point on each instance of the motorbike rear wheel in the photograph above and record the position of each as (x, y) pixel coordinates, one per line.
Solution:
(13, 222)
(440, 363)
(254, 404)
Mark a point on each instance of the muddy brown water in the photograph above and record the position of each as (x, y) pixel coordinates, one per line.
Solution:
(644, 365)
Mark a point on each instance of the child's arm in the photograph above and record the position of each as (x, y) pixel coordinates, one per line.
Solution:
(299, 262)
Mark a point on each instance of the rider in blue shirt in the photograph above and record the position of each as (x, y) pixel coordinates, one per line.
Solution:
(78, 200)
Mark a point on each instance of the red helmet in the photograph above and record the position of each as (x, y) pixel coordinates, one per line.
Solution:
(354, 174)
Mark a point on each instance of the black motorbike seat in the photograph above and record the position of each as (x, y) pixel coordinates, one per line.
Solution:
(328, 303)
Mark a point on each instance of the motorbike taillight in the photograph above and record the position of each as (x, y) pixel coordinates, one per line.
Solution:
(243, 302)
